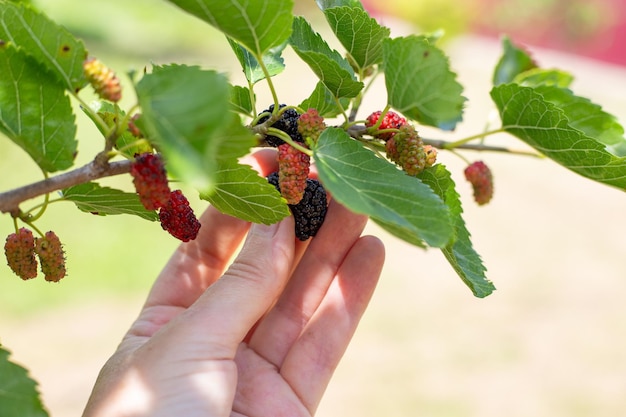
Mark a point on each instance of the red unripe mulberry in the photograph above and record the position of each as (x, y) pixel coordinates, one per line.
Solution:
(51, 256)
(178, 218)
(293, 170)
(19, 250)
(392, 120)
(481, 178)
(150, 180)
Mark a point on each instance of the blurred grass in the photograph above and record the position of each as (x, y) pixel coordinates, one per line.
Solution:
(118, 255)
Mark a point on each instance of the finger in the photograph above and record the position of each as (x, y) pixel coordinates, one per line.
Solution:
(264, 161)
(314, 357)
(222, 316)
(197, 264)
(308, 285)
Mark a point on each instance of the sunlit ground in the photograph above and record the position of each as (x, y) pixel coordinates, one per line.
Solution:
(549, 341)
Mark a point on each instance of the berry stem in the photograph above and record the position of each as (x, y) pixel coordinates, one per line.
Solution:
(343, 111)
(442, 144)
(287, 138)
(270, 84)
(456, 144)
(86, 107)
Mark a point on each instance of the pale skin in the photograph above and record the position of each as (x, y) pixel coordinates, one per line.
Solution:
(261, 338)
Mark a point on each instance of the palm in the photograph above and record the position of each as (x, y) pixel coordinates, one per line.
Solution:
(262, 340)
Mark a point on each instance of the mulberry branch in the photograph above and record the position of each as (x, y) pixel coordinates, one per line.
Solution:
(10, 200)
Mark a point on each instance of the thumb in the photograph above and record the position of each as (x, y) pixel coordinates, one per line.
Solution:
(228, 309)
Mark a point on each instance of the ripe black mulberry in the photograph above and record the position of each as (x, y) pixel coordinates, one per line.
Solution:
(310, 212)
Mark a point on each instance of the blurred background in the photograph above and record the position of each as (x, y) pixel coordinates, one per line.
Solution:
(549, 341)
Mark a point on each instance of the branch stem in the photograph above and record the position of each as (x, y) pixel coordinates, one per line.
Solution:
(10, 200)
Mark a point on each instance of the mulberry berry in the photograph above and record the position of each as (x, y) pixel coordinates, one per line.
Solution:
(19, 250)
(391, 120)
(288, 123)
(150, 180)
(178, 218)
(431, 155)
(102, 79)
(310, 212)
(481, 178)
(407, 150)
(51, 256)
(293, 171)
(311, 125)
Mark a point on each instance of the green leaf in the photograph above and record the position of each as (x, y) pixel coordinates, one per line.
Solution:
(367, 184)
(48, 43)
(420, 84)
(272, 60)
(513, 62)
(330, 67)
(329, 4)
(539, 76)
(525, 113)
(35, 113)
(587, 117)
(184, 109)
(241, 100)
(18, 391)
(233, 139)
(257, 25)
(361, 35)
(92, 198)
(242, 193)
(461, 254)
(322, 100)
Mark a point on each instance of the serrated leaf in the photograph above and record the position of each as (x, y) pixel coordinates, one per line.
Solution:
(92, 198)
(242, 193)
(539, 76)
(461, 254)
(514, 61)
(257, 25)
(369, 185)
(35, 112)
(241, 100)
(272, 60)
(329, 66)
(525, 113)
(18, 391)
(322, 100)
(361, 35)
(233, 139)
(46, 42)
(587, 117)
(184, 109)
(420, 83)
(328, 4)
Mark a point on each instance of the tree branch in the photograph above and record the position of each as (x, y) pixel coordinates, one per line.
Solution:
(10, 200)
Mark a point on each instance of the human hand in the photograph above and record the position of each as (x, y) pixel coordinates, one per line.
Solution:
(261, 339)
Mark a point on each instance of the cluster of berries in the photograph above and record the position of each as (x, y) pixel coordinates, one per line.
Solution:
(175, 213)
(22, 250)
(402, 143)
(305, 196)
(102, 79)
